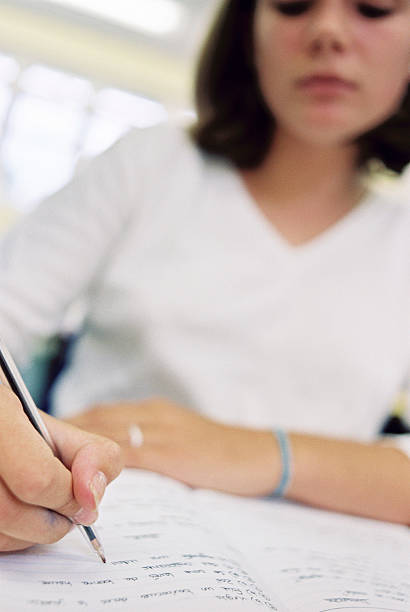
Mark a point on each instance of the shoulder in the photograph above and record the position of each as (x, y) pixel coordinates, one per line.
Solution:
(135, 168)
(391, 232)
(147, 146)
(161, 169)
(164, 157)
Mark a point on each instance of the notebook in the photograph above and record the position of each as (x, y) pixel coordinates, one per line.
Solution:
(172, 548)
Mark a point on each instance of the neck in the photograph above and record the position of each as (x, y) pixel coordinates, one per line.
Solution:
(296, 172)
(304, 189)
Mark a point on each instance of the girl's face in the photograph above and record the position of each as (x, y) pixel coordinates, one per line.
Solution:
(331, 70)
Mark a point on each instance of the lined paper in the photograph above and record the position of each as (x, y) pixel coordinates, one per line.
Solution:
(318, 561)
(171, 548)
(161, 552)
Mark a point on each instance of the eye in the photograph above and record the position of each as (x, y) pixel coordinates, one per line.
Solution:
(292, 9)
(372, 11)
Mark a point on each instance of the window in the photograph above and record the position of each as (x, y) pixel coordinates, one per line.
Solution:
(49, 120)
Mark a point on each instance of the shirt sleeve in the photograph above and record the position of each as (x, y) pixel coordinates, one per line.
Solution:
(50, 258)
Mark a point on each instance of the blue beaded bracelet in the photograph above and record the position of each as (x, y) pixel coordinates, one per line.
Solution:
(285, 455)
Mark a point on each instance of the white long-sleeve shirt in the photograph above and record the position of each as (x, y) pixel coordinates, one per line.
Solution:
(193, 295)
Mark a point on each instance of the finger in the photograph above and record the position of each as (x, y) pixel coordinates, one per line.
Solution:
(30, 523)
(102, 453)
(116, 431)
(149, 456)
(100, 416)
(103, 421)
(94, 462)
(28, 467)
(89, 473)
(134, 457)
(8, 544)
(35, 476)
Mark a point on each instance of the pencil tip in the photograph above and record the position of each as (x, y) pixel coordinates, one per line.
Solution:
(99, 550)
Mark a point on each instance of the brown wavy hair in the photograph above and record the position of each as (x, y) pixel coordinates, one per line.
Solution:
(233, 119)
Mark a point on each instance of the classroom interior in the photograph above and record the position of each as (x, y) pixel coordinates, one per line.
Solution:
(75, 75)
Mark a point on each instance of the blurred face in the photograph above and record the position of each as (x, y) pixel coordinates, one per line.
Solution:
(331, 70)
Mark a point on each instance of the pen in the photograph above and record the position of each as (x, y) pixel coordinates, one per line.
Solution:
(10, 376)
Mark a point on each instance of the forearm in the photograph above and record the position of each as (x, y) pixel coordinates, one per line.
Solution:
(368, 480)
(364, 479)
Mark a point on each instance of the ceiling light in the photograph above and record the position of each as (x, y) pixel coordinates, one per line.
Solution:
(153, 16)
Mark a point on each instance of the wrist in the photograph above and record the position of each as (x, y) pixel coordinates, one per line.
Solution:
(251, 460)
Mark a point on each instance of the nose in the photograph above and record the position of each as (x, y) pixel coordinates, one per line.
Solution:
(327, 30)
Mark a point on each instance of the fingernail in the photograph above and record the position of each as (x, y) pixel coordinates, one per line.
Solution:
(85, 517)
(97, 487)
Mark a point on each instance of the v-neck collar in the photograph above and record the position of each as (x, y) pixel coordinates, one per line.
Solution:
(331, 234)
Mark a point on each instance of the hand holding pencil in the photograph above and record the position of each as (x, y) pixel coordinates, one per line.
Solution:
(42, 495)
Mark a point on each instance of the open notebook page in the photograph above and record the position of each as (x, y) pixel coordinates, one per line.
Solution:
(170, 548)
(318, 561)
(163, 553)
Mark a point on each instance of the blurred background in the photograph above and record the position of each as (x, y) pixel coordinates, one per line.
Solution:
(76, 74)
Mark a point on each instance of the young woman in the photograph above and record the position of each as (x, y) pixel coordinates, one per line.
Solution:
(247, 292)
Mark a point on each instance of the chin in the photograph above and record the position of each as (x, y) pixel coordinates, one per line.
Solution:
(330, 131)
(328, 137)
(327, 126)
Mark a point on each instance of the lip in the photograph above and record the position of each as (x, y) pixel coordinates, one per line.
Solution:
(325, 82)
